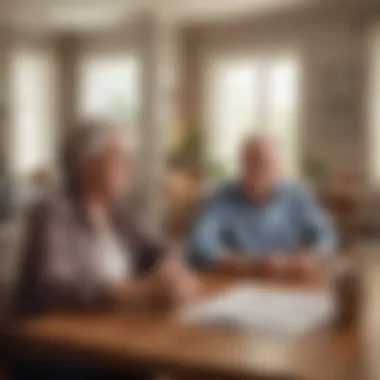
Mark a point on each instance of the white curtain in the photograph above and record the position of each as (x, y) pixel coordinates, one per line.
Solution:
(33, 124)
(251, 96)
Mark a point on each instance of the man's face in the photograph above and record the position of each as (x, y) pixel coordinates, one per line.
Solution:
(259, 168)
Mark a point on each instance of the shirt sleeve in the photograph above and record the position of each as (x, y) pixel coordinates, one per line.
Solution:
(316, 228)
(206, 240)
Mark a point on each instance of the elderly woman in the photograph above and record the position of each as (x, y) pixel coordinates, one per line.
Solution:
(85, 249)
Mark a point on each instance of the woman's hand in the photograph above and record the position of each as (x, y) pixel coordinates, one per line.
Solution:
(171, 284)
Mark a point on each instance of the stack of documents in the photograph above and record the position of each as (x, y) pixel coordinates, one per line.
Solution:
(286, 313)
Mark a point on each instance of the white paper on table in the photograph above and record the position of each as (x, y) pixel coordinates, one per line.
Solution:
(288, 313)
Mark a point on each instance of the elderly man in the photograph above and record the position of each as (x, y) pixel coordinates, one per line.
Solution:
(262, 221)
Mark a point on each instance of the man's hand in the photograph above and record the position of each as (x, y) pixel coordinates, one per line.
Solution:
(308, 266)
(235, 264)
(277, 265)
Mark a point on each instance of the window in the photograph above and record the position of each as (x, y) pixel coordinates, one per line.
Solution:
(283, 110)
(109, 86)
(234, 90)
(32, 111)
(248, 96)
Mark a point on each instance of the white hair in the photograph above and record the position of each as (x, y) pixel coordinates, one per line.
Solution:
(88, 139)
(95, 137)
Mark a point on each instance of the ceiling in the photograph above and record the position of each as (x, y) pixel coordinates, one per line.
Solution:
(98, 14)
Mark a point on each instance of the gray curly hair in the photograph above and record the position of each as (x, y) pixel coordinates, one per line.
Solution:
(83, 140)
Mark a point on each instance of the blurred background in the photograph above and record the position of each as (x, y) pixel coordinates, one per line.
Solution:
(187, 80)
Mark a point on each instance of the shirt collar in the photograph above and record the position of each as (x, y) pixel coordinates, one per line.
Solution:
(275, 193)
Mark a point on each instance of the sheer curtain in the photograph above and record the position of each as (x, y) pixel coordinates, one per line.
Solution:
(32, 110)
(257, 95)
(283, 108)
(232, 110)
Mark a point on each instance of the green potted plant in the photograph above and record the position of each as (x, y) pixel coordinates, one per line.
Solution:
(315, 171)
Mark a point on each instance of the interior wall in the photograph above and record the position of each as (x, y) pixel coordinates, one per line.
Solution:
(321, 43)
(4, 45)
(67, 49)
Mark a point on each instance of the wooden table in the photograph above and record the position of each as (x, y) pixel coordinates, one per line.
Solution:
(160, 344)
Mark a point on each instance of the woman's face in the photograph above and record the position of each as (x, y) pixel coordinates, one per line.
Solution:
(109, 171)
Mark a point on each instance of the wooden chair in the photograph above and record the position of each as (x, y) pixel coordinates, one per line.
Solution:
(345, 212)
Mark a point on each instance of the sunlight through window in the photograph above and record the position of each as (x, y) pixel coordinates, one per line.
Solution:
(251, 96)
(109, 87)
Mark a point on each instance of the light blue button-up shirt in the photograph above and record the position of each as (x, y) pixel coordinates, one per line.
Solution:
(230, 222)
